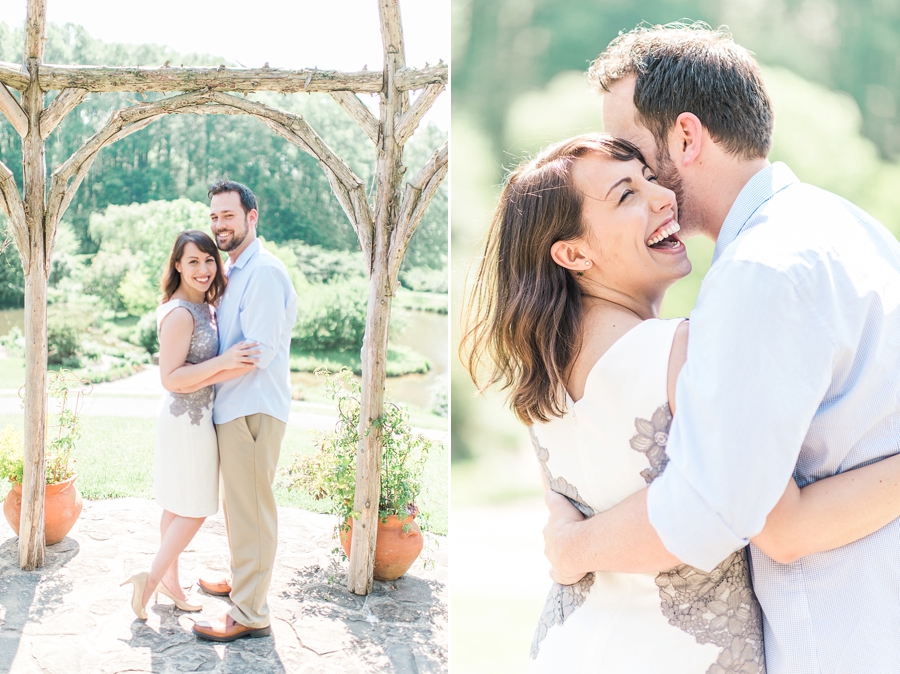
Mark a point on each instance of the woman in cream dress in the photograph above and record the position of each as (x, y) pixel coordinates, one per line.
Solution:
(565, 315)
(186, 464)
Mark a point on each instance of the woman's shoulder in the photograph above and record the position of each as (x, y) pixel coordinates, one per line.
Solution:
(178, 311)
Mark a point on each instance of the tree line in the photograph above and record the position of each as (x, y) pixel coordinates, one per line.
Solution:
(181, 155)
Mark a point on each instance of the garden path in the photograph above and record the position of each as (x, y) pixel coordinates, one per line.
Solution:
(137, 396)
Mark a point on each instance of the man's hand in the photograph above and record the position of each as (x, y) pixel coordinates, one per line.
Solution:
(560, 534)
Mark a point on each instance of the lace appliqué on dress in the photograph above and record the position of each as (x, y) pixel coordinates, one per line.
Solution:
(204, 345)
(716, 608)
(562, 599)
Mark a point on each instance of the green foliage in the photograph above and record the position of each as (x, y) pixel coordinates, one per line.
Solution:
(145, 334)
(104, 276)
(12, 279)
(139, 294)
(423, 279)
(63, 343)
(135, 244)
(65, 390)
(331, 316)
(330, 473)
(320, 265)
(400, 359)
(12, 449)
(428, 246)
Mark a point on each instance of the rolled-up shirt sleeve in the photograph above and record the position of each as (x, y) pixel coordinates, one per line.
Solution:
(262, 311)
(760, 360)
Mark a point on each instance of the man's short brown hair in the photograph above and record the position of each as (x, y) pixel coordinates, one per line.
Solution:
(689, 67)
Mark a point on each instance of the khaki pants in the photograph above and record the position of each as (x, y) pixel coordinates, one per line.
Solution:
(248, 455)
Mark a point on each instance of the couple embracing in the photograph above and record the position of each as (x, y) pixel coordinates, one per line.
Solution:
(723, 498)
(224, 342)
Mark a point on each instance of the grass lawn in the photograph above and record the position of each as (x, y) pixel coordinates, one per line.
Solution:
(400, 360)
(12, 373)
(115, 460)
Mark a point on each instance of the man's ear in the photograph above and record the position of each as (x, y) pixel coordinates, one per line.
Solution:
(568, 255)
(252, 216)
(686, 139)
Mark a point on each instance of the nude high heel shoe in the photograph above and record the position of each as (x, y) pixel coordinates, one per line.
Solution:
(180, 603)
(139, 581)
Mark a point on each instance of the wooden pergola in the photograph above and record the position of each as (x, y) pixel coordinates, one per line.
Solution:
(383, 221)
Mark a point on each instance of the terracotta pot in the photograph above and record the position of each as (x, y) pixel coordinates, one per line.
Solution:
(62, 506)
(395, 550)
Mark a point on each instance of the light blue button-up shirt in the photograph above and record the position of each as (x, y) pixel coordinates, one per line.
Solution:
(793, 368)
(259, 305)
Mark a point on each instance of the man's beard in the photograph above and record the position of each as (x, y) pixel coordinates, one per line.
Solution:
(235, 239)
(667, 176)
(232, 244)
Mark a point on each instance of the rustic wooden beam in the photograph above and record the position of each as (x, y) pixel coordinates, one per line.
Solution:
(170, 79)
(66, 101)
(35, 22)
(358, 112)
(388, 171)
(34, 170)
(121, 123)
(13, 206)
(294, 128)
(13, 111)
(13, 75)
(408, 124)
(416, 199)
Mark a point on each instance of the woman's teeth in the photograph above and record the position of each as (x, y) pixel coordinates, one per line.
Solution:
(661, 234)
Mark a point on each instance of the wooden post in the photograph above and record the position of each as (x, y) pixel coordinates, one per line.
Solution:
(31, 524)
(388, 172)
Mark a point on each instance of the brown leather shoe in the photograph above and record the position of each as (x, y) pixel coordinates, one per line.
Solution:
(224, 628)
(218, 587)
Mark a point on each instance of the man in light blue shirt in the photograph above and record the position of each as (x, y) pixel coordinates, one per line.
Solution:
(251, 411)
(793, 363)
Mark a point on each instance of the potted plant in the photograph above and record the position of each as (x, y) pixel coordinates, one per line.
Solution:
(62, 500)
(330, 473)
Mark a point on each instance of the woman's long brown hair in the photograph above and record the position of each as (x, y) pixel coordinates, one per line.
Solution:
(523, 315)
(172, 279)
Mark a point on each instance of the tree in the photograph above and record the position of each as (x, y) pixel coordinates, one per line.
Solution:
(383, 227)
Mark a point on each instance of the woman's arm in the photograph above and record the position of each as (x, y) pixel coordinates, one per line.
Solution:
(224, 375)
(832, 512)
(174, 344)
(824, 515)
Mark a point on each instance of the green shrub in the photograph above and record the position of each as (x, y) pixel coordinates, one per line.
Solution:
(425, 280)
(330, 473)
(144, 334)
(63, 343)
(319, 265)
(331, 316)
(106, 273)
(138, 292)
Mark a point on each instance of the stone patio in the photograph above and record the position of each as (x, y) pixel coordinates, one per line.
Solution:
(71, 616)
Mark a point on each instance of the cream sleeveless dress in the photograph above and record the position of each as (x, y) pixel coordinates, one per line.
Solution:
(610, 444)
(186, 466)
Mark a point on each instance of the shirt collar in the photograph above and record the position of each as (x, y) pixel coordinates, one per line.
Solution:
(758, 190)
(243, 258)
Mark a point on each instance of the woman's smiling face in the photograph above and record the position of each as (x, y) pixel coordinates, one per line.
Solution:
(630, 244)
(197, 269)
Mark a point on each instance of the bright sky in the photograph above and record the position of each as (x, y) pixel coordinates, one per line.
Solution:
(330, 35)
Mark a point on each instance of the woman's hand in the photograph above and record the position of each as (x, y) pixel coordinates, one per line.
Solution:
(243, 355)
(558, 535)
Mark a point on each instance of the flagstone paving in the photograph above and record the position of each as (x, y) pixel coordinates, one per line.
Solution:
(71, 616)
